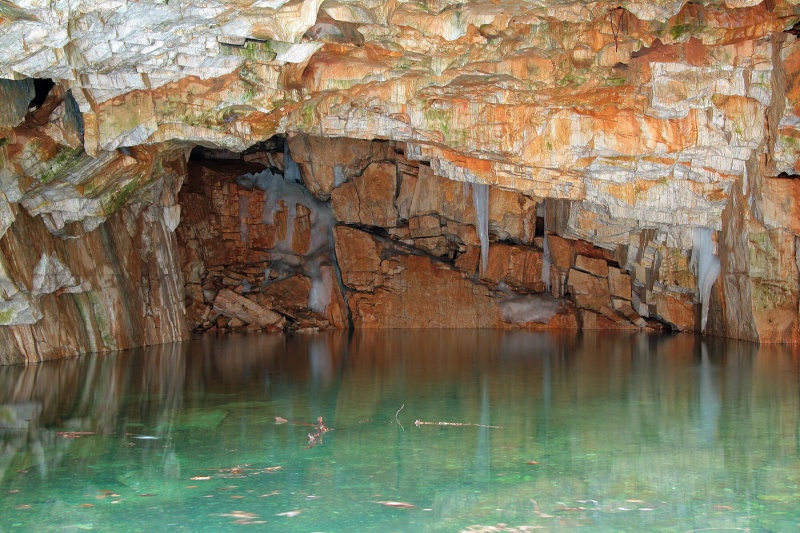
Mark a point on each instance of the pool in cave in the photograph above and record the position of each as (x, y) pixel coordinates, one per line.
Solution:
(454, 430)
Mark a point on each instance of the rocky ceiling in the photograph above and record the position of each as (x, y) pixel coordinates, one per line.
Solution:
(646, 112)
(659, 116)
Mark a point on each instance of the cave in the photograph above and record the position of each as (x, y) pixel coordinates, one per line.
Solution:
(494, 170)
(348, 265)
(381, 242)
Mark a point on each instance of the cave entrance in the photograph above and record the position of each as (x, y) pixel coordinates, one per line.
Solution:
(312, 233)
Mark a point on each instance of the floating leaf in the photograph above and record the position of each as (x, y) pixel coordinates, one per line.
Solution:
(397, 505)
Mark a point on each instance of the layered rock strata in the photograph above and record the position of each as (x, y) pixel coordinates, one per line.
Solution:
(404, 249)
(639, 126)
(88, 253)
(256, 251)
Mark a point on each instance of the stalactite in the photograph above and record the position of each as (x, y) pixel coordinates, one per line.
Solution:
(480, 197)
(706, 266)
(319, 297)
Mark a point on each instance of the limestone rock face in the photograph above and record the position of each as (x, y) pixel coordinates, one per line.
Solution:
(256, 251)
(393, 288)
(112, 288)
(606, 132)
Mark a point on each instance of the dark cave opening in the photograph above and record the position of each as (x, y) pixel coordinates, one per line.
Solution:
(42, 87)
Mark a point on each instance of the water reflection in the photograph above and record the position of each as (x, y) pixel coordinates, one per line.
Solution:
(693, 427)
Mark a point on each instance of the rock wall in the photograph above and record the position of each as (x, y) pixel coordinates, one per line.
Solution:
(653, 132)
(88, 254)
(256, 252)
(401, 245)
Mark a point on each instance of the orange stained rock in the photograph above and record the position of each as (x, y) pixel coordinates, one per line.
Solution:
(791, 68)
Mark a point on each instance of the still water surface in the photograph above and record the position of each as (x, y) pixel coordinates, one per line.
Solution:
(631, 432)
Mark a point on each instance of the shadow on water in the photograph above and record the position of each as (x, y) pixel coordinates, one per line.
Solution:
(558, 430)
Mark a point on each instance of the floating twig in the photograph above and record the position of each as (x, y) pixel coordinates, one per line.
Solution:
(73, 434)
(538, 511)
(281, 420)
(421, 423)
(397, 413)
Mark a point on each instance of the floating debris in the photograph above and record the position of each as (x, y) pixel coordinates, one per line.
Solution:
(200, 478)
(73, 434)
(538, 511)
(289, 514)
(240, 514)
(243, 517)
(505, 528)
(419, 423)
(397, 505)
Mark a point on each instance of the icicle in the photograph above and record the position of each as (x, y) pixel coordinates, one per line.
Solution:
(321, 287)
(545, 250)
(244, 214)
(706, 266)
(480, 197)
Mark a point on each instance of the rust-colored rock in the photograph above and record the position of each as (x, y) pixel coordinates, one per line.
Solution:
(517, 266)
(235, 306)
(562, 251)
(369, 198)
(676, 311)
(418, 292)
(687, 116)
(358, 254)
(619, 283)
(590, 292)
(596, 267)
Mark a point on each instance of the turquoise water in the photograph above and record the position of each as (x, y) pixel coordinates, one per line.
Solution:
(557, 432)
